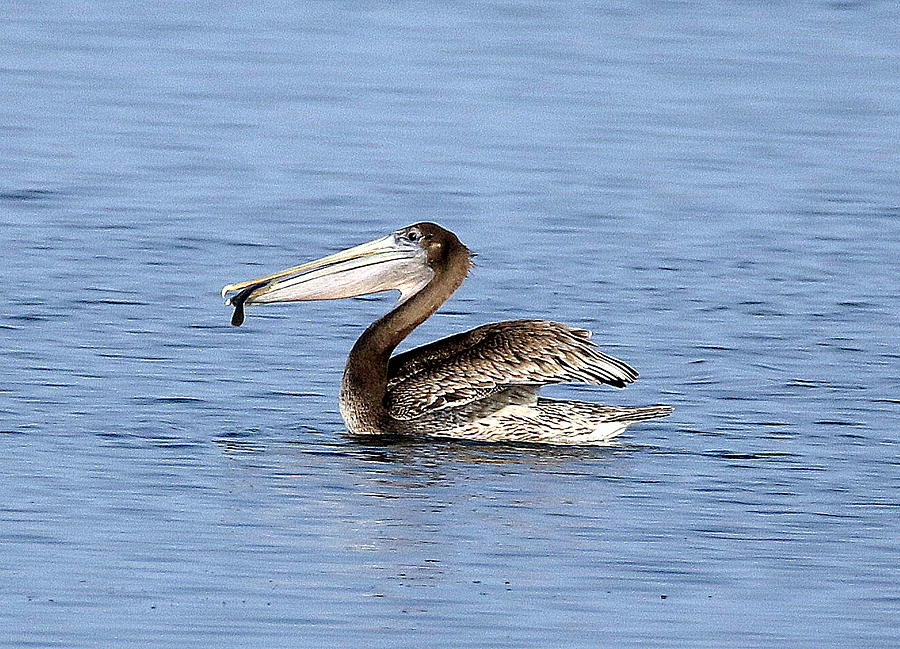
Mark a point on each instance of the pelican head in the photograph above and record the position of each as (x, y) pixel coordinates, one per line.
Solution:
(403, 261)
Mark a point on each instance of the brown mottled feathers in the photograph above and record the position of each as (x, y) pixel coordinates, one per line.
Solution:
(475, 364)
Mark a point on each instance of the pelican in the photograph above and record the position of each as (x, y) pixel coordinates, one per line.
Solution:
(481, 384)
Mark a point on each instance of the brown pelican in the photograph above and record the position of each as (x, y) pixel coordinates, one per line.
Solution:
(480, 384)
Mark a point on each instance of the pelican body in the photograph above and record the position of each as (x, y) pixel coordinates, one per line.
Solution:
(481, 384)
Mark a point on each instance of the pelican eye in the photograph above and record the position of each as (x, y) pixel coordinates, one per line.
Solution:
(413, 235)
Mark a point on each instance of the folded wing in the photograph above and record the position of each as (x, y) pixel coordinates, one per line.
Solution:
(474, 364)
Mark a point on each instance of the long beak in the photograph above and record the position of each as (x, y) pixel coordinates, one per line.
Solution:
(376, 266)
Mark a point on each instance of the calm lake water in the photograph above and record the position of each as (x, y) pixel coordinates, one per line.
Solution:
(712, 187)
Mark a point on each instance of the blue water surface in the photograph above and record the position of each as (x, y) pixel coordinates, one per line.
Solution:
(711, 187)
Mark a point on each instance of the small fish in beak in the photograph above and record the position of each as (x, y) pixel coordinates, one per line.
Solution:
(237, 301)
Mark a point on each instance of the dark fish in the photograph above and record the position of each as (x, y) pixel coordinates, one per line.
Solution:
(237, 318)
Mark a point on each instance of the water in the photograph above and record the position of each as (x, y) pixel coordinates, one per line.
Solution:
(714, 188)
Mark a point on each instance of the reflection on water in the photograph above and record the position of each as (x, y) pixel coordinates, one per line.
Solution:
(712, 188)
(429, 454)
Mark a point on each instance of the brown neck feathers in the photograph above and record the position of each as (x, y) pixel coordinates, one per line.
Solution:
(365, 376)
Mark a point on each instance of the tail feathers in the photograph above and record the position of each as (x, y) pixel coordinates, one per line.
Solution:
(597, 413)
(642, 413)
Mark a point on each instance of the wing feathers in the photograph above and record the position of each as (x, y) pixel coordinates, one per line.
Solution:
(474, 364)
